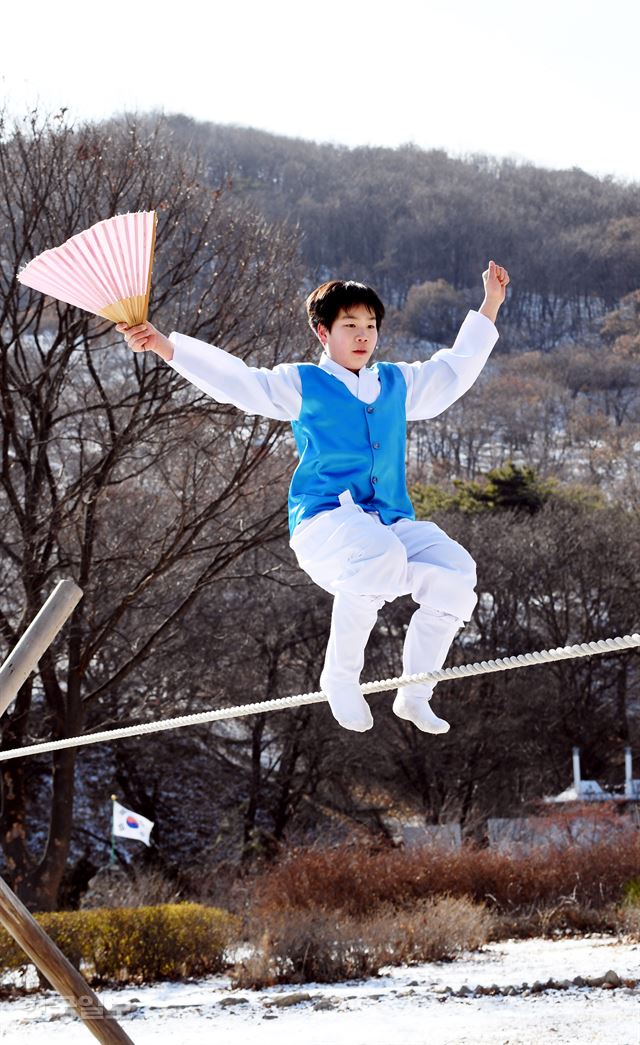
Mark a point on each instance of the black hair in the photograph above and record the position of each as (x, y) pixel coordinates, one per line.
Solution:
(324, 303)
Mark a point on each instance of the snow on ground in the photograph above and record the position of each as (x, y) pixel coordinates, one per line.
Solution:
(405, 1006)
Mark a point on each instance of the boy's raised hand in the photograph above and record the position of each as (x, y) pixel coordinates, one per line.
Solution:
(496, 280)
(144, 338)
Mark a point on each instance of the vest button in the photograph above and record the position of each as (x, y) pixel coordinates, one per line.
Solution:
(369, 409)
(376, 446)
(374, 478)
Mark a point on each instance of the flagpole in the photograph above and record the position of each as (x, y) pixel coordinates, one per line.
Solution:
(112, 858)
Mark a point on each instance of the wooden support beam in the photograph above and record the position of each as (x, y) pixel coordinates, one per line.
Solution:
(14, 916)
(36, 639)
(52, 963)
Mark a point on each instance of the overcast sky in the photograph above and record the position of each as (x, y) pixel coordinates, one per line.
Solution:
(555, 82)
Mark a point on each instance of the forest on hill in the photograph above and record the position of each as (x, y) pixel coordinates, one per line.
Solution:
(168, 508)
(399, 218)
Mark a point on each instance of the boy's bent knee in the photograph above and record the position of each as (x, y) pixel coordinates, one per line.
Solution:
(463, 564)
(375, 568)
(450, 586)
(464, 580)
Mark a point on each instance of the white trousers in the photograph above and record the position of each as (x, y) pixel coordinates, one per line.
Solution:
(363, 564)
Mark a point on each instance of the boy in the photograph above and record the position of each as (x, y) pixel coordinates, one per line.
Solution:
(353, 529)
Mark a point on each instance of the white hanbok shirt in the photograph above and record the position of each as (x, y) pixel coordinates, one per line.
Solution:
(432, 385)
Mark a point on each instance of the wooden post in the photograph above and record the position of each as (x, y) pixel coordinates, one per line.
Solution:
(14, 916)
(36, 639)
(59, 971)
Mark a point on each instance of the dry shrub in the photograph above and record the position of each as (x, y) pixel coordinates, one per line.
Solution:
(628, 915)
(213, 882)
(308, 946)
(313, 945)
(629, 922)
(357, 880)
(562, 918)
(114, 887)
(434, 930)
(135, 945)
(166, 942)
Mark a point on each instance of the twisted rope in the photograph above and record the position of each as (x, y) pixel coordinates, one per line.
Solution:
(485, 667)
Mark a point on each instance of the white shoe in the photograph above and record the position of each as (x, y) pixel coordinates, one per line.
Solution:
(418, 710)
(347, 704)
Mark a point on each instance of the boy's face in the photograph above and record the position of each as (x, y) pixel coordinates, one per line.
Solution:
(352, 338)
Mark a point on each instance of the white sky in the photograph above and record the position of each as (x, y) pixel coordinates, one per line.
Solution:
(556, 82)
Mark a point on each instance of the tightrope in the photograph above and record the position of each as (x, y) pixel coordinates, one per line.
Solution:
(484, 667)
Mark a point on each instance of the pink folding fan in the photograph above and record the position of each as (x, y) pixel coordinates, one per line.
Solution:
(105, 269)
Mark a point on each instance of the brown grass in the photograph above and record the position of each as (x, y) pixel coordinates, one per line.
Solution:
(629, 922)
(357, 881)
(314, 945)
(113, 887)
(434, 930)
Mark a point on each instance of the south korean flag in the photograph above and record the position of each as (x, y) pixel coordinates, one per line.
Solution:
(127, 824)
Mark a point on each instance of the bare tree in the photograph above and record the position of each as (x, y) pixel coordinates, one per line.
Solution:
(113, 472)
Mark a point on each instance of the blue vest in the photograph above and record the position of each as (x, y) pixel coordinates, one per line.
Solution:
(345, 444)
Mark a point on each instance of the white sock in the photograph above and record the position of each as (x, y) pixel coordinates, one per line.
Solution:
(429, 637)
(352, 618)
(415, 707)
(347, 704)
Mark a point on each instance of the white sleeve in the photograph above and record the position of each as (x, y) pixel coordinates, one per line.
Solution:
(435, 384)
(273, 393)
